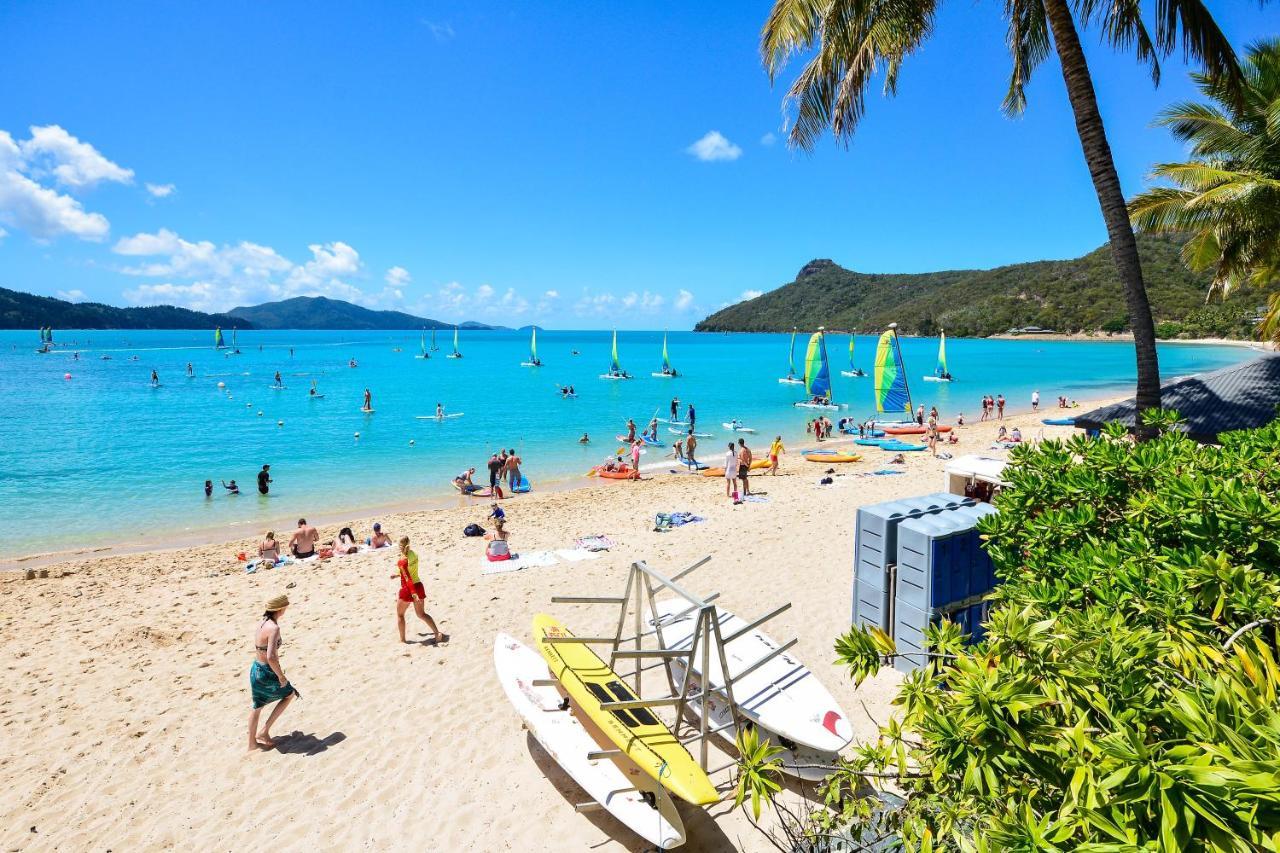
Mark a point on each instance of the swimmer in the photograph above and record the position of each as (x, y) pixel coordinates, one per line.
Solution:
(231, 487)
(208, 488)
(586, 439)
(313, 387)
(155, 378)
(352, 362)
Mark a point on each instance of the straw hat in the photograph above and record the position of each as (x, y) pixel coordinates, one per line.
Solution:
(278, 602)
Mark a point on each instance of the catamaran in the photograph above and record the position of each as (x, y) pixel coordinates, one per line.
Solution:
(940, 373)
(791, 378)
(892, 393)
(434, 347)
(422, 343)
(455, 353)
(668, 372)
(533, 350)
(218, 342)
(817, 375)
(46, 339)
(235, 348)
(615, 369)
(853, 370)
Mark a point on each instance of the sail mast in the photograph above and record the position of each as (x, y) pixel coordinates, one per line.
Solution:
(902, 366)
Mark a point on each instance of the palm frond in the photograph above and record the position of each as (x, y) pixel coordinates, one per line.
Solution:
(1028, 41)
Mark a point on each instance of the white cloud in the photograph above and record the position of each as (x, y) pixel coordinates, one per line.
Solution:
(38, 210)
(484, 293)
(198, 296)
(768, 139)
(74, 164)
(714, 146)
(71, 295)
(441, 30)
(684, 300)
(160, 190)
(749, 294)
(398, 277)
(551, 294)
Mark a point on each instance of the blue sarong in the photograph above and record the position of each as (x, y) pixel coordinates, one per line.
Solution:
(266, 686)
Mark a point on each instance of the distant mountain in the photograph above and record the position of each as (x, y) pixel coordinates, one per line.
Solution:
(28, 311)
(320, 312)
(1078, 295)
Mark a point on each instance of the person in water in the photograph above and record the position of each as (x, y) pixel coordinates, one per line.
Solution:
(675, 409)
(155, 378)
(631, 430)
(368, 401)
(412, 592)
(267, 682)
(691, 417)
(190, 370)
(690, 447)
(352, 363)
(208, 488)
(512, 468)
(313, 388)
(231, 487)
(279, 381)
(652, 432)
(464, 483)
(439, 410)
(264, 480)
(586, 439)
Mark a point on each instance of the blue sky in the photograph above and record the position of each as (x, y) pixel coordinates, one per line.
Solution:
(523, 162)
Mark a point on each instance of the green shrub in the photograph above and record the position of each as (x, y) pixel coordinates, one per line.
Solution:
(1168, 329)
(1126, 695)
(1114, 325)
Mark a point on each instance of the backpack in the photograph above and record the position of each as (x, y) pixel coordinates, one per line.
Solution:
(473, 529)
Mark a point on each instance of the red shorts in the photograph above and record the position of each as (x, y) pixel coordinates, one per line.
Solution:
(407, 593)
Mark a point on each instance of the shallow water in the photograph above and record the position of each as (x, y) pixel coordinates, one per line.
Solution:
(103, 457)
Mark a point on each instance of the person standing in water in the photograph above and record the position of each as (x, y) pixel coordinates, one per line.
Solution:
(190, 370)
(691, 417)
(155, 379)
(675, 409)
(412, 593)
(267, 681)
(439, 411)
(279, 381)
(313, 388)
(368, 401)
(264, 480)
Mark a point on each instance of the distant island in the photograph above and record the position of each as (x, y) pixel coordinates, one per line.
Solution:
(1081, 295)
(29, 311)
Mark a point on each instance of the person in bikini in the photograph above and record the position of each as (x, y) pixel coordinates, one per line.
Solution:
(412, 592)
(267, 681)
(303, 542)
(269, 549)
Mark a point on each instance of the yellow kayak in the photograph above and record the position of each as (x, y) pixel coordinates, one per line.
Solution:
(756, 465)
(637, 732)
(832, 457)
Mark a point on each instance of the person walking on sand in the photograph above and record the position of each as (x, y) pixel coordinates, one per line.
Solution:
(744, 465)
(931, 435)
(731, 473)
(775, 450)
(1000, 406)
(412, 592)
(635, 459)
(267, 681)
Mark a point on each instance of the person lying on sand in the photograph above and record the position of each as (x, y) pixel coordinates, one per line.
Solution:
(346, 543)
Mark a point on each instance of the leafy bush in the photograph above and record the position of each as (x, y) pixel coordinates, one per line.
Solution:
(1168, 329)
(1115, 325)
(1126, 694)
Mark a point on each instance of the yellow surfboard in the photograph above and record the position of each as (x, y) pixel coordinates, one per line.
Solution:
(637, 732)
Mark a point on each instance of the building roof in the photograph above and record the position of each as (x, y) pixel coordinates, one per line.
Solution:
(1243, 396)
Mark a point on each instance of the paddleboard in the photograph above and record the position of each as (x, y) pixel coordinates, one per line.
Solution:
(675, 431)
(738, 428)
(317, 396)
(522, 485)
(637, 732)
(439, 417)
(278, 387)
(783, 698)
(617, 784)
(368, 411)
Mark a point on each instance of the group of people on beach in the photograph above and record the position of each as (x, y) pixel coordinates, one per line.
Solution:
(737, 469)
(996, 404)
(233, 488)
(820, 427)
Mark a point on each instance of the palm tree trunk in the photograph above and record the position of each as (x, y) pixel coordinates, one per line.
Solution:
(1106, 183)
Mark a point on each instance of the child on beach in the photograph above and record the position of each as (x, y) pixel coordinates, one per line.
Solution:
(412, 592)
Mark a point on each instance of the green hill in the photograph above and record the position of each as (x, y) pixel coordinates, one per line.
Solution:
(319, 312)
(1078, 295)
(28, 311)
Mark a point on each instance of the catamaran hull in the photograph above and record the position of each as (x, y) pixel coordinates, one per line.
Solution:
(832, 407)
(936, 379)
(852, 374)
(791, 381)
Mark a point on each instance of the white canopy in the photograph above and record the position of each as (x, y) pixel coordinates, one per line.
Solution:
(960, 471)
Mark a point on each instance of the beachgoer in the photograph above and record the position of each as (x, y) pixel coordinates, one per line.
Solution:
(677, 449)
(960, 419)
(412, 592)
(439, 410)
(190, 370)
(933, 412)
(231, 487)
(351, 363)
(691, 417)
(775, 450)
(653, 430)
(379, 539)
(631, 430)
(931, 435)
(985, 409)
(368, 401)
(586, 439)
(464, 483)
(513, 468)
(312, 392)
(495, 467)
(264, 480)
(279, 381)
(499, 519)
(1003, 434)
(1015, 434)
(155, 378)
(675, 409)
(303, 542)
(1000, 406)
(731, 473)
(346, 542)
(635, 459)
(1035, 400)
(208, 488)
(744, 465)
(267, 681)
(920, 414)
(269, 548)
(690, 446)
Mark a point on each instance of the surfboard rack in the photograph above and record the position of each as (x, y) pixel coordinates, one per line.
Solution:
(643, 585)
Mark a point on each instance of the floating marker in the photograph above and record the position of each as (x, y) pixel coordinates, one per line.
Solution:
(279, 423)
(66, 376)
(222, 385)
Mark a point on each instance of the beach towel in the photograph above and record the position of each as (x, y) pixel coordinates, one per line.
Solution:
(265, 686)
(756, 499)
(679, 519)
(576, 555)
(518, 562)
(595, 542)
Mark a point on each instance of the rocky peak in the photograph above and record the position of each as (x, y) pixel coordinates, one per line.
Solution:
(814, 267)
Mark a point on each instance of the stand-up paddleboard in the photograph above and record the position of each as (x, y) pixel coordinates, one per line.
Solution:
(522, 485)
(616, 784)
(278, 387)
(317, 396)
(439, 417)
(732, 427)
(637, 732)
(675, 431)
(367, 411)
(783, 698)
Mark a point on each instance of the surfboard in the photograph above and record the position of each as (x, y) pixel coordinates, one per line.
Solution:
(567, 735)
(522, 485)
(738, 428)
(637, 732)
(783, 698)
(439, 417)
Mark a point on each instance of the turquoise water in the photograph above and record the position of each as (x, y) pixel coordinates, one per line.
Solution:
(103, 457)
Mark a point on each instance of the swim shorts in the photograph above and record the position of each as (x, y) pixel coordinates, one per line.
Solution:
(407, 593)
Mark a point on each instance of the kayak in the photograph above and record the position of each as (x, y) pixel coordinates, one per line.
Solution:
(913, 430)
(624, 474)
(820, 456)
(756, 464)
(874, 442)
(901, 446)
(1060, 421)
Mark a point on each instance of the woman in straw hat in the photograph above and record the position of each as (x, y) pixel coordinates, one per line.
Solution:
(267, 680)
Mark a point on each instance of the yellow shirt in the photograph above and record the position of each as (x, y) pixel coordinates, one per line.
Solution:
(411, 560)
(775, 448)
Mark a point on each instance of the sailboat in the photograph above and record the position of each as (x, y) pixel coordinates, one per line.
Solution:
(940, 373)
(668, 372)
(218, 342)
(422, 343)
(892, 393)
(615, 369)
(533, 350)
(853, 370)
(791, 378)
(434, 347)
(235, 348)
(46, 339)
(455, 353)
(817, 374)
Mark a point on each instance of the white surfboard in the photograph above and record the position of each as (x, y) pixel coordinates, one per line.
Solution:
(617, 784)
(782, 697)
(737, 427)
(439, 417)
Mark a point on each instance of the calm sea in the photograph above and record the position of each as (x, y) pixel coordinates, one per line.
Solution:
(103, 457)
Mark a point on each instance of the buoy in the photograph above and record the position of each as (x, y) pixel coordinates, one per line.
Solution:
(259, 414)
(411, 442)
(66, 376)
(279, 423)
(357, 435)
(222, 385)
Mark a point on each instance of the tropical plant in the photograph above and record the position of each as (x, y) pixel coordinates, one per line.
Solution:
(1227, 196)
(853, 41)
(1126, 696)
(758, 770)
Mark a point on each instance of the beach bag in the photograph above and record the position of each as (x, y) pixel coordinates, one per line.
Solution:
(473, 529)
(662, 522)
(497, 550)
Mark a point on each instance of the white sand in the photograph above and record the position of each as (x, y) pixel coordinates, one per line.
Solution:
(124, 700)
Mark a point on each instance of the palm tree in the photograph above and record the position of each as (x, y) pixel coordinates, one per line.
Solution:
(852, 41)
(1227, 196)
